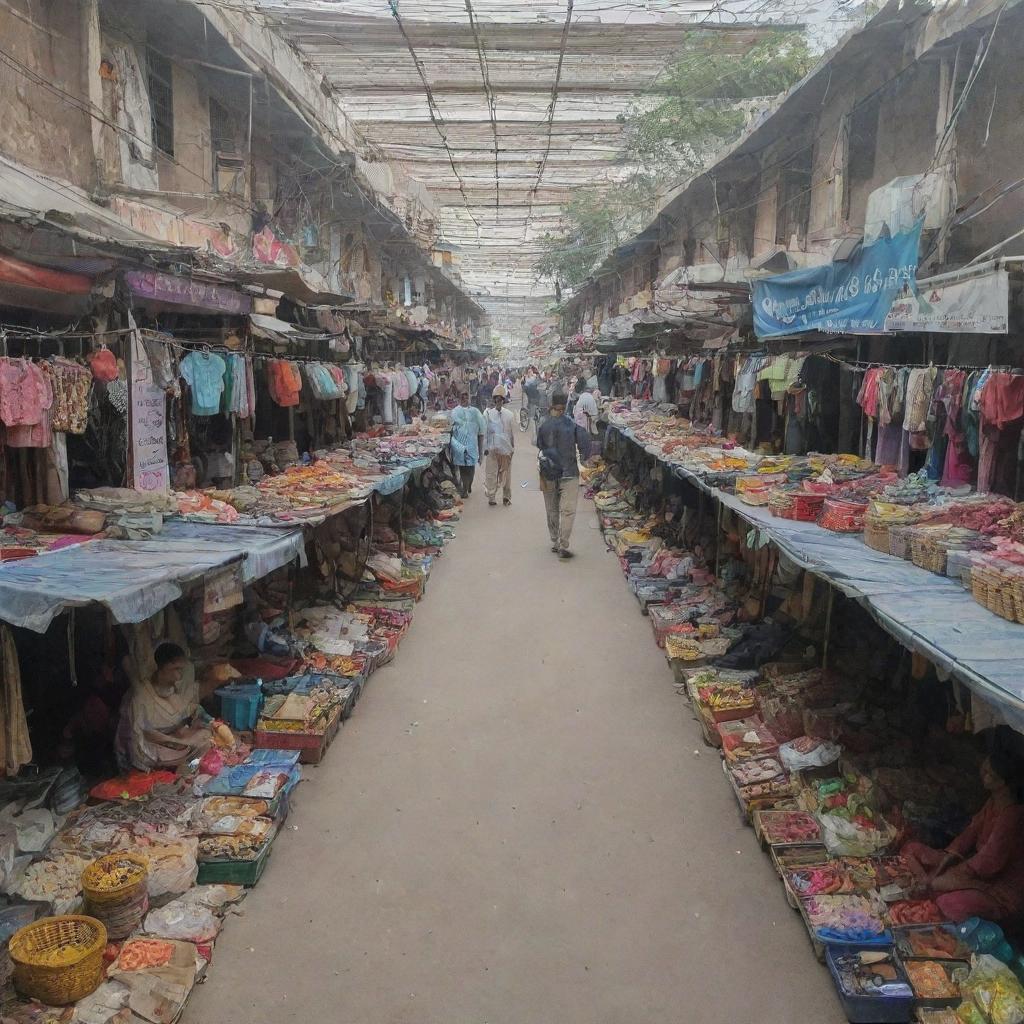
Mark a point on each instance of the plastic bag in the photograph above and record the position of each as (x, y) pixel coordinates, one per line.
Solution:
(994, 989)
(844, 838)
(212, 762)
(817, 756)
(185, 919)
(172, 865)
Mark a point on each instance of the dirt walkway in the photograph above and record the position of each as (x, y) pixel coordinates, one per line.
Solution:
(519, 825)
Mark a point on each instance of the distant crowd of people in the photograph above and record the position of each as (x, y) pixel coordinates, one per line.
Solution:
(565, 411)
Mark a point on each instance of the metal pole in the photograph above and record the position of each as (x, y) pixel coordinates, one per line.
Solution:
(718, 542)
(828, 625)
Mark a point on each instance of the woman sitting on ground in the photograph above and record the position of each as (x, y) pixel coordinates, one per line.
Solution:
(980, 873)
(162, 724)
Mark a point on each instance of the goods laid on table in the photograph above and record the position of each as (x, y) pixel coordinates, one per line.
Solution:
(338, 477)
(112, 908)
(976, 539)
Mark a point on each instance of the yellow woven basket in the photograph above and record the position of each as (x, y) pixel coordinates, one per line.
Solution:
(114, 877)
(58, 960)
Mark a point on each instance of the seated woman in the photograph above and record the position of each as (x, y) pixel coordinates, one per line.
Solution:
(980, 873)
(162, 724)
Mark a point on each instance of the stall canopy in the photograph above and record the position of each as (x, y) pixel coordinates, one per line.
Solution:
(928, 613)
(34, 287)
(134, 579)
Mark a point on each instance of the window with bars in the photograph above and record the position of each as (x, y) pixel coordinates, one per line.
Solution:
(161, 100)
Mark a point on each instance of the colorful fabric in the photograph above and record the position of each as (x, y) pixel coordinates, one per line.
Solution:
(72, 386)
(204, 374)
(284, 382)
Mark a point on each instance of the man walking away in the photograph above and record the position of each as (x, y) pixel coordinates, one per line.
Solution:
(558, 439)
(468, 430)
(499, 446)
(584, 412)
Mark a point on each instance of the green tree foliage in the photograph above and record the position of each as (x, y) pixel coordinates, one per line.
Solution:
(694, 108)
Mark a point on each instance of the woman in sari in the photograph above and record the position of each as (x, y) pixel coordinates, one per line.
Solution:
(162, 724)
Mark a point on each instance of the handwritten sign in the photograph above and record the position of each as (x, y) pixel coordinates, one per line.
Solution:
(184, 291)
(149, 468)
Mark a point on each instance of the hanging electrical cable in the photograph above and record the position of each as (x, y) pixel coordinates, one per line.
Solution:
(434, 111)
(492, 105)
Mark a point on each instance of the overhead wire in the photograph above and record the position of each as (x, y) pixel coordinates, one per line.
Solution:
(551, 110)
(434, 111)
(489, 93)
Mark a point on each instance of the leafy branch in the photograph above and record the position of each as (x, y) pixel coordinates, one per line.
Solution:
(701, 102)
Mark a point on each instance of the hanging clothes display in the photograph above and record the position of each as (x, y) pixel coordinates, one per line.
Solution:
(284, 382)
(26, 398)
(72, 387)
(1002, 415)
(203, 372)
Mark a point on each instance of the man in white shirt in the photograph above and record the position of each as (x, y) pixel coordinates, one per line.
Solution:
(585, 410)
(499, 444)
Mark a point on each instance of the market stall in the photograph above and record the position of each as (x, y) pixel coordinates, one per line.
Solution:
(850, 750)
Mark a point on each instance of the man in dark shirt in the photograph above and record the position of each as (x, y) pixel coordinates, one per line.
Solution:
(558, 439)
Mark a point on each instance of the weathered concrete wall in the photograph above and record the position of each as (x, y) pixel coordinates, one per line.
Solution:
(39, 125)
(905, 134)
(191, 170)
(990, 146)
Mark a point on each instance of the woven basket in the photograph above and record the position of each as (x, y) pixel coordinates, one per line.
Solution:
(929, 553)
(58, 960)
(115, 892)
(1001, 592)
(899, 541)
(876, 534)
(114, 878)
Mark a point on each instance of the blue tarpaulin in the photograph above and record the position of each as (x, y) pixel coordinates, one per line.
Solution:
(134, 579)
(927, 613)
(854, 295)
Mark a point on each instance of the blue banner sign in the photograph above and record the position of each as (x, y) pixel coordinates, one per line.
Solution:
(851, 297)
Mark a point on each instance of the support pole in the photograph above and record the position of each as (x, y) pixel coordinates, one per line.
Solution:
(828, 625)
(718, 543)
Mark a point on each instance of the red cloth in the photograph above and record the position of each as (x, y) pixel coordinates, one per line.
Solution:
(265, 668)
(867, 398)
(1002, 401)
(284, 382)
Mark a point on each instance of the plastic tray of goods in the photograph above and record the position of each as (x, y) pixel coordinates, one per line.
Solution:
(936, 983)
(786, 828)
(871, 985)
(759, 796)
(234, 872)
(791, 858)
(844, 920)
(311, 745)
(931, 942)
(776, 794)
(932, 1015)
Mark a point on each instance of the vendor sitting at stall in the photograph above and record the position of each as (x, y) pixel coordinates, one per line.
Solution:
(162, 724)
(980, 873)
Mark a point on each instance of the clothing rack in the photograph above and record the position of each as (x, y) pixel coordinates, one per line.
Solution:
(861, 365)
